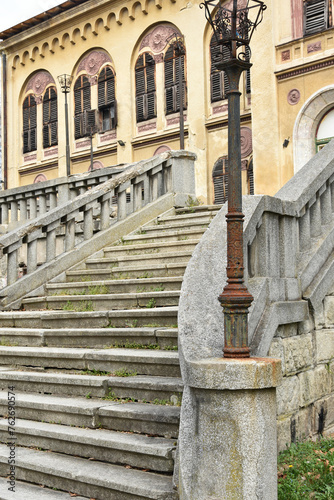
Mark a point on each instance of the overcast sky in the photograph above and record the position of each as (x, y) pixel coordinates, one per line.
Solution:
(17, 11)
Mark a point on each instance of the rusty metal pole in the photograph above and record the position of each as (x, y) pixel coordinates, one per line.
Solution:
(181, 102)
(235, 298)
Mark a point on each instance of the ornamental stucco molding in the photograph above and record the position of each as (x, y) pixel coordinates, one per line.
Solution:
(39, 82)
(246, 141)
(92, 63)
(157, 39)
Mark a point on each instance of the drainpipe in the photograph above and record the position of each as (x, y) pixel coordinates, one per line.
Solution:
(4, 121)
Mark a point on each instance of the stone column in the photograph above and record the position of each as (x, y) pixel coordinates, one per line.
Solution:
(227, 443)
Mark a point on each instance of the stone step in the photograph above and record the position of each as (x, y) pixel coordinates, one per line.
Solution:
(112, 361)
(165, 246)
(27, 491)
(87, 477)
(143, 418)
(141, 387)
(164, 235)
(144, 452)
(140, 271)
(115, 286)
(143, 259)
(102, 302)
(89, 337)
(197, 209)
(148, 317)
(176, 225)
(189, 217)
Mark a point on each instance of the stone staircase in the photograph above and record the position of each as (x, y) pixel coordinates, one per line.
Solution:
(93, 368)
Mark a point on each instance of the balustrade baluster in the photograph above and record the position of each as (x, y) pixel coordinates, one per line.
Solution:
(88, 223)
(326, 206)
(121, 204)
(50, 245)
(70, 234)
(137, 196)
(52, 200)
(4, 212)
(105, 212)
(12, 267)
(32, 208)
(315, 218)
(304, 230)
(23, 210)
(42, 204)
(32, 256)
(13, 211)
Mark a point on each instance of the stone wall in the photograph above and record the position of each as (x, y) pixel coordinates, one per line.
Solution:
(305, 400)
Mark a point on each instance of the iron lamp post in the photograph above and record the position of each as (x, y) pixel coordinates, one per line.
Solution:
(233, 25)
(65, 85)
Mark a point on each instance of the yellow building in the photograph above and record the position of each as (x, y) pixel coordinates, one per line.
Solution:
(124, 93)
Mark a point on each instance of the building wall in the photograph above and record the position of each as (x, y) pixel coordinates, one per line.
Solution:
(287, 70)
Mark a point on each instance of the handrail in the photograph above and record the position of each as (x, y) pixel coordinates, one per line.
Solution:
(17, 205)
(288, 248)
(94, 212)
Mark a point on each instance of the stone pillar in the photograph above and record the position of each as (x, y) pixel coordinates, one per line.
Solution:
(227, 443)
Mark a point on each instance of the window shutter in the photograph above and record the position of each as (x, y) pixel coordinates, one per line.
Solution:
(140, 108)
(86, 96)
(33, 141)
(220, 181)
(151, 112)
(315, 16)
(140, 82)
(110, 89)
(169, 100)
(54, 133)
(77, 98)
(77, 126)
(219, 80)
(46, 141)
(150, 75)
(26, 141)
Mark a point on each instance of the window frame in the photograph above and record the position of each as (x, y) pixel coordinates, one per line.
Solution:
(107, 105)
(82, 106)
(310, 14)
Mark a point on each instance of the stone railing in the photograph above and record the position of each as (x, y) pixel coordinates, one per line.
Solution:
(289, 269)
(18, 205)
(158, 184)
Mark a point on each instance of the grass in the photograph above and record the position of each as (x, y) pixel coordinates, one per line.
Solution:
(83, 306)
(123, 372)
(151, 303)
(306, 471)
(134, 345)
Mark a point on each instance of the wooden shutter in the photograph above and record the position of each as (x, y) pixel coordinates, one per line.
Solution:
(220, 180)
(315, 16)
(145, 88)
(82, 103)
(50, 118)
(29, 124)
(106, 87)
(219, 80)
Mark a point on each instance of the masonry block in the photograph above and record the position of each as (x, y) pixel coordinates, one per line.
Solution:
(297, 353)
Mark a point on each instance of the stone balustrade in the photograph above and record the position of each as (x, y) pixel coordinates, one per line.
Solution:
(20, 204)
(66, 231)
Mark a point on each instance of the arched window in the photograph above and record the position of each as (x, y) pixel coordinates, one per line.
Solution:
(325, 130)
(316, 16)
(50, 118)
(29, 124)
(145, 88)
(219, 80)
(172, 80)
(106, 99)
(220, 180)
(81, 106)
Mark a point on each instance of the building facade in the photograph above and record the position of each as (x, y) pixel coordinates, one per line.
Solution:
(126, 77)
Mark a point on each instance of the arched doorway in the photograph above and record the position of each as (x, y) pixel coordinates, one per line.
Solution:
(325, 130)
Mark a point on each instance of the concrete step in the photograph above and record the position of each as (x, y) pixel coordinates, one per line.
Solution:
(140, 271)
(28, 491)
(141, 387)
(197, 209)
(176, 225)
(144, 452)
(112, 361)
(148, 317)
(87, 477)
(142, 418)
(102, 302)
(143, 259)
(181, 234)
(165, 246)
(115, 286)
(89, 337)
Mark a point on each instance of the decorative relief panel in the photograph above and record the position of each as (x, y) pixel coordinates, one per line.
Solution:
(293, 97)
(246, 141)
(314, 47)
(156, 40)
(40, 178)
(147, 127)
(285, 55)
(108, 137)
(39, 82)
(92, 63)
(28, 158)
(50, 152)
(220, 109)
